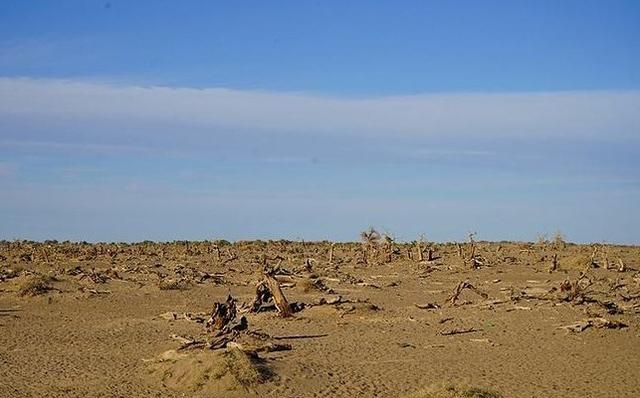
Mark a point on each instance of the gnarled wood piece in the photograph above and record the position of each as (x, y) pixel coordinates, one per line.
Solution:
(224, 318)
(281, 301)
(262, 299)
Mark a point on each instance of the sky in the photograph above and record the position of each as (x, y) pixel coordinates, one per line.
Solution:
(163, 120)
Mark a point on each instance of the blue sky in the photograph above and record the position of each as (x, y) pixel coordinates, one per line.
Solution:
(156, 120)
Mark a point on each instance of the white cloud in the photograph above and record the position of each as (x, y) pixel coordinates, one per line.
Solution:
(586, 114)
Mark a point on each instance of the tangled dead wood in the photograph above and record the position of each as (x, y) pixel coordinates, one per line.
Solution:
(269, 294)
(224, 320)
(227, 330)
(574, 291)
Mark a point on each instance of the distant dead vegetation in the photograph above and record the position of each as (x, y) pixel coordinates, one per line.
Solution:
(554, 254)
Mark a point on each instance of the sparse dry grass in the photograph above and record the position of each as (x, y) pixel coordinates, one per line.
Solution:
(173, 284)
(446, 391)
(35, 285)
(241, 367)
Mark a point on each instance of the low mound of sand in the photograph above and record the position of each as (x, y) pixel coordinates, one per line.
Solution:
(228, 374)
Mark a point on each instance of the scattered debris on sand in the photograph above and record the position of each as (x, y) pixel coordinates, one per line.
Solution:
(601, 323)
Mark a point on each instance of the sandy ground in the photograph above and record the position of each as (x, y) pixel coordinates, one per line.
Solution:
(98, 331)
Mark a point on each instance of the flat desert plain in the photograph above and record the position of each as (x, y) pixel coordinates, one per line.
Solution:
(363, 319)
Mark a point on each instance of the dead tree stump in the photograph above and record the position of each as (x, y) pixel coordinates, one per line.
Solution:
(281, 301)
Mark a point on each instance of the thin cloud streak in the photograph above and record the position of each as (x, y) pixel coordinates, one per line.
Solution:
(51, 146)
(586, 114)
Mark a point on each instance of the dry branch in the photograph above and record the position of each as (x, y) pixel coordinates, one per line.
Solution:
(300, 336)
(253, 350)
(465, 285)
(428, 306)
(554, 263)
(458, 331)
(621, 266)
(188, 342)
